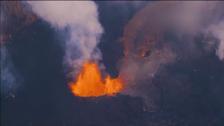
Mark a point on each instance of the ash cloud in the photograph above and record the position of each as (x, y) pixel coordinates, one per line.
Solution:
(187, 30)
(138, 74)
(81, 20)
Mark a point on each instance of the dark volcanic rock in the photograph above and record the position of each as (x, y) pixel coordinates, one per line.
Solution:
(14, 17)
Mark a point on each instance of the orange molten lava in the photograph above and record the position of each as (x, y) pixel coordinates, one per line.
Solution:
(90, 83)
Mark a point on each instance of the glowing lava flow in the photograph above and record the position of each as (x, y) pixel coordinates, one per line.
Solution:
(90, 83)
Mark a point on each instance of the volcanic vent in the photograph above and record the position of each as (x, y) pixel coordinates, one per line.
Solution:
(90, 83)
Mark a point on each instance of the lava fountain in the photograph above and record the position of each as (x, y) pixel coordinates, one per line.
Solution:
(90, 83)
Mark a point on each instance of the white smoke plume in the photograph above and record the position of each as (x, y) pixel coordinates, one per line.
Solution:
(218, 31)
(81, 18)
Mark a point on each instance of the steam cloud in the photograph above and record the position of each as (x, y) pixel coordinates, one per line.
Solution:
(81, 18)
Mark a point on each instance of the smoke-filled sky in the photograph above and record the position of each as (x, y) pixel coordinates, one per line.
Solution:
(168, 54)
